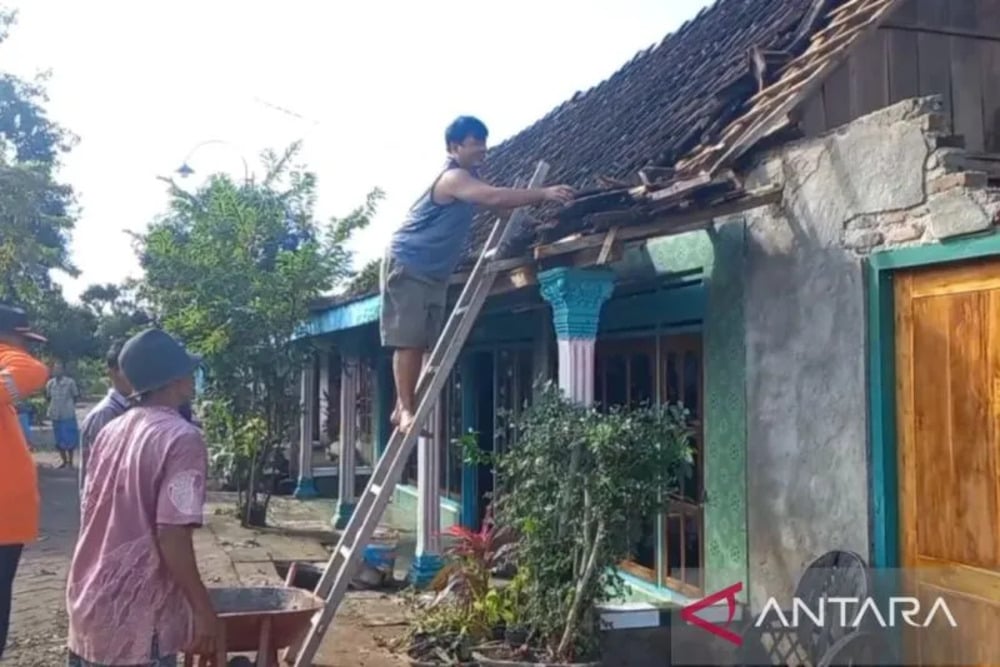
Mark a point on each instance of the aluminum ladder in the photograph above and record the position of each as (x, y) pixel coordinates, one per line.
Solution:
(344, 560)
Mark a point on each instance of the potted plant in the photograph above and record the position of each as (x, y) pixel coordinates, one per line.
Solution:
(569, 487)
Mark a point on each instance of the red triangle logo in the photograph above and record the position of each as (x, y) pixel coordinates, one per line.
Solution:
(728, 594)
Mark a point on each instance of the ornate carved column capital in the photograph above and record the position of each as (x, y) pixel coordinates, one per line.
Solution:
(576, 296)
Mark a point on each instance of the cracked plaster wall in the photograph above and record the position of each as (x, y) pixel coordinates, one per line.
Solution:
(885, 180)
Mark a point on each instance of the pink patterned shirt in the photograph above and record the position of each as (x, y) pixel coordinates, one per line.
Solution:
(146, 468)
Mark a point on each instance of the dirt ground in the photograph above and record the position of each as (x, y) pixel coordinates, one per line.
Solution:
(359, 634)
(228, 555)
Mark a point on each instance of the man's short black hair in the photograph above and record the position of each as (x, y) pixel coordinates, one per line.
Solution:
(464, 127)
(111, 358)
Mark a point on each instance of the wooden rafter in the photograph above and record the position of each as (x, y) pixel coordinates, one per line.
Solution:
(666, 225)
(850, 22)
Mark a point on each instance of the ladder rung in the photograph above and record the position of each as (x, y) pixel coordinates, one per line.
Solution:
(490, 254)
(346, 551)
(376, 489)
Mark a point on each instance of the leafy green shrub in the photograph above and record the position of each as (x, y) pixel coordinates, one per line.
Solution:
(570, 488)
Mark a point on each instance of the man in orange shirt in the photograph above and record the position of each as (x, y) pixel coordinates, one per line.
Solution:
(20, 376)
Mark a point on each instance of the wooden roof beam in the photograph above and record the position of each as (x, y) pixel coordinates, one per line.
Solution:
(666, 225)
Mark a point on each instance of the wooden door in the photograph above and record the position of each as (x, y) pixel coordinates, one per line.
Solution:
(948, 416)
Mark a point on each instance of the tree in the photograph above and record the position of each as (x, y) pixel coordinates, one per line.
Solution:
(35, 214)
(35, 217)
(231, 270)
(118, 311)
(70, 328)
(366, 280)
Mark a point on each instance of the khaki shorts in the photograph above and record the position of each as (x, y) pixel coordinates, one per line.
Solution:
(412, 313)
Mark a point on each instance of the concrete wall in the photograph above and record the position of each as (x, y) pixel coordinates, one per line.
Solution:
(882, 181)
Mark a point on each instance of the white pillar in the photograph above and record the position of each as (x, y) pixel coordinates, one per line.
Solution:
(324, 396)
(427, 561)
(350, 376)
(306, 487)
(576, 369)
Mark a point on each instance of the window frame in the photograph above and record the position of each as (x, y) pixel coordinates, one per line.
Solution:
(657, 345)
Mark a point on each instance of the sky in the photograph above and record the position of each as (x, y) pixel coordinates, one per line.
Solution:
(369, 90)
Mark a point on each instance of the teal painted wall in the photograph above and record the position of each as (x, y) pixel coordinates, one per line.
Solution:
(404, 510)
(719, 259)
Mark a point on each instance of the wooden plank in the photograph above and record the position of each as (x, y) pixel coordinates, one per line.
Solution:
(988, 12)
(966, 75)
(903, 285)
(869, 74)
(837, 96)
(813, 115)
(680, 187)
(765, 120)
(804, 68)
(982, 35)
(845, 22)
(606, 246)
(934, 54)
(498, 266)
(904, 75)
(673, 224)
(583, 257)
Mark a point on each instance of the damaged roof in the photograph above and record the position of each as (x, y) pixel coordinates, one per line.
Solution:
(665, 102)
(655, 136)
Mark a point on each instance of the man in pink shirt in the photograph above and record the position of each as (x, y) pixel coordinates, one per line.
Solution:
(134, 595)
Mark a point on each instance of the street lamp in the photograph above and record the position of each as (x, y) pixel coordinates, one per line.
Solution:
(186, 170)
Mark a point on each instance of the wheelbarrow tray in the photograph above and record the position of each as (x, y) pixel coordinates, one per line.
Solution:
(244, 612)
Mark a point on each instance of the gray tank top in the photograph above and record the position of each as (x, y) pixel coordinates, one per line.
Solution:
(432, 238)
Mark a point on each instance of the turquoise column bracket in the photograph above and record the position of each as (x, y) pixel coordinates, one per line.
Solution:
(344, 512)
(424, 568)
(470, 471)
(576, 296)
(306, 489)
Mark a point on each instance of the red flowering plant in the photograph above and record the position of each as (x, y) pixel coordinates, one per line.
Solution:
(473, 556)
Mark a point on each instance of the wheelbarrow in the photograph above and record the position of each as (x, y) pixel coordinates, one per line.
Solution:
(264, 620)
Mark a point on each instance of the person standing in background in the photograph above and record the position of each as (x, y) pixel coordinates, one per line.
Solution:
(20, 376)
(63, 393)
(112, 405)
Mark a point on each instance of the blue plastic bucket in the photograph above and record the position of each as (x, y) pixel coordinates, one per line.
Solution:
(380, 556)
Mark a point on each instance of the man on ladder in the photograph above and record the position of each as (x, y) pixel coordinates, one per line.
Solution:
(427, 247)
(446, 210)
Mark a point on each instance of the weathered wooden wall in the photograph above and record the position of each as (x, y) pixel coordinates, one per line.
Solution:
(945, 47)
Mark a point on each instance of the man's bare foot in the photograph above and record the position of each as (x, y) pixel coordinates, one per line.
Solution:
(406, 423)
(405, 420)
